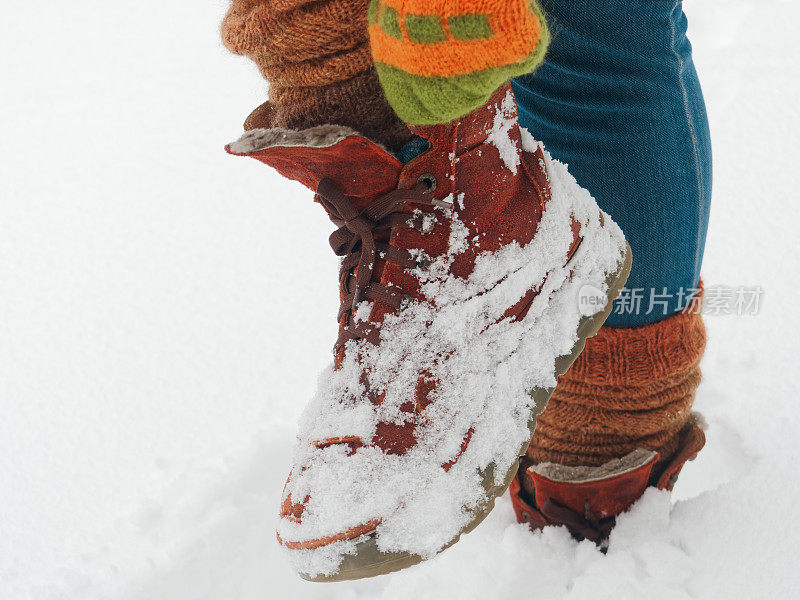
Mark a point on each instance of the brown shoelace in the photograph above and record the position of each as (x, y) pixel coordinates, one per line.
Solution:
(356, 242)
(582, 527)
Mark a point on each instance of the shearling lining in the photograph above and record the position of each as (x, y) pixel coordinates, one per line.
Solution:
(616, 466)
(321, 136)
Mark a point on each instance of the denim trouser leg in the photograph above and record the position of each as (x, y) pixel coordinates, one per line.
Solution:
(618, 100)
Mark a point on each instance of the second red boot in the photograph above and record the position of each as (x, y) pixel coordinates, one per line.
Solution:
(587, 500)
(621, 419)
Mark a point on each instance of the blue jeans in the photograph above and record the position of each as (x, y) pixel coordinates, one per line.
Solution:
(619, 101)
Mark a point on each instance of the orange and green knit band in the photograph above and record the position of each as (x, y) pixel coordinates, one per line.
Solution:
(438, 60)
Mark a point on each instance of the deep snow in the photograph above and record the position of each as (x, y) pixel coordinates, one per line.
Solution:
(163, 320)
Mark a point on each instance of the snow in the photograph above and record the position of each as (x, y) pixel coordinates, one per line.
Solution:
(164, 318)
(499, 133)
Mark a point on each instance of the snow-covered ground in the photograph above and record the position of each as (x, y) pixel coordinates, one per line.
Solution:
(163, 320)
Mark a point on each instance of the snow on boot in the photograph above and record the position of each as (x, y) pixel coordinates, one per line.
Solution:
(460, 280)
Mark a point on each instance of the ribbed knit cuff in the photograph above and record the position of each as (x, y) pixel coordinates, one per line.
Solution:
(316, 57)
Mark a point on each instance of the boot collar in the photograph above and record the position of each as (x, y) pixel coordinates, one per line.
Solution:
(358, 167)
(362, 169)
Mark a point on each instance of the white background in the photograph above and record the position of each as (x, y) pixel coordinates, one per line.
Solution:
(165, 310)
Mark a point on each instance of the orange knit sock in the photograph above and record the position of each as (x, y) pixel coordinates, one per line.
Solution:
(316, 57)
(439, 60)
(630, 388)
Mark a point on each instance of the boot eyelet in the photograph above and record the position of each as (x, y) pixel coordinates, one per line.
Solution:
(429, 180)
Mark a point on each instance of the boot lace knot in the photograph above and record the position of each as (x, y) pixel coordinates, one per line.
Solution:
(362, 239)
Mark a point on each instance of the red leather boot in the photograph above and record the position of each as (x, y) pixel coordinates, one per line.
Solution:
(461, 283)
(587, 500)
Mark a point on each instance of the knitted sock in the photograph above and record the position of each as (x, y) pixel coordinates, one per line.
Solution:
(439, 59)
(315, 55)
(629, 389)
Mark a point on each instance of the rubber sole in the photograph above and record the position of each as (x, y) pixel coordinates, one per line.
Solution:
(369, 561)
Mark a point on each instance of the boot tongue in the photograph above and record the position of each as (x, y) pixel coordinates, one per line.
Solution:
(359, 168)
